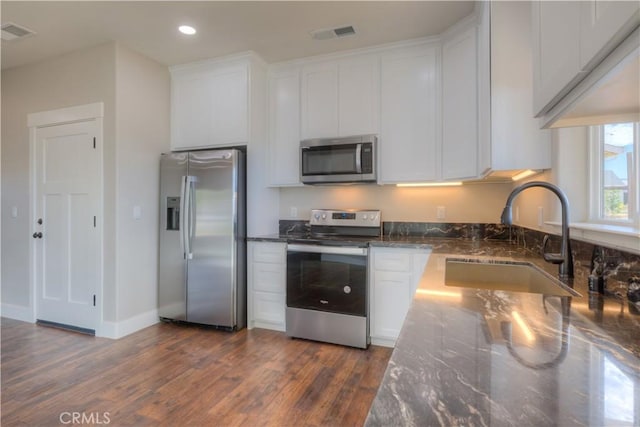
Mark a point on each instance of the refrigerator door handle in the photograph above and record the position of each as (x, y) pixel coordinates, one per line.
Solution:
(182, 217)
(191, 180)
(188, 216)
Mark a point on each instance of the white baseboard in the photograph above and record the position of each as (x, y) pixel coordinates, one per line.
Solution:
(128, 326)
(383, 342)
(17, 312)
(266, 325)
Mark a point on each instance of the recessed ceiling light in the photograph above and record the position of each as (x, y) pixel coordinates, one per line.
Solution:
(187, 29)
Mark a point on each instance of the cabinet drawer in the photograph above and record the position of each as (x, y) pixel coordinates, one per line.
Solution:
(392, 261)
(268, 277)
(268, 307)
(273, 253)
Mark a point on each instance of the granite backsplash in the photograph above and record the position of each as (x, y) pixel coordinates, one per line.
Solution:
(618, 268)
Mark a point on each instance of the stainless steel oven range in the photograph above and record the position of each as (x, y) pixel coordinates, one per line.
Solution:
(327, 278)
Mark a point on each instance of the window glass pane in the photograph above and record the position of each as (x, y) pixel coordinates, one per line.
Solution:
(617, 157)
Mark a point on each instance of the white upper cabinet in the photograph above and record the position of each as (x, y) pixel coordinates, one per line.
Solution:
(284, 126)
(516, 140)
(460, 105)
(209, 104)
(340, 97)
(319, 100)
(603, 25)
(556, 50)
(571, 38)
(358, 95)
(409, 131)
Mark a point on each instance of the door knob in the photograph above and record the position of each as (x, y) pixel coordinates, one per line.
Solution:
(37, 235)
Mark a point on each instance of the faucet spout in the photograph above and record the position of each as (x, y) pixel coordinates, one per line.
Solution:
(565, 257)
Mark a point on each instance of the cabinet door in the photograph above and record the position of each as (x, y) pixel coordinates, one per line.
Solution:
(268, 277)
(284, 128)
(556, 51)
(191, 106)
(460, 106)
(603, 25)
(269, 310)
(512, 92)
(266, 282)
(230, 106)
(209, 107)
(358, 96)
(391, 299)
(319, 100)
(409, 115)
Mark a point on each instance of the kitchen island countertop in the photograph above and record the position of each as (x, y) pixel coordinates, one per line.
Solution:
(488, 357)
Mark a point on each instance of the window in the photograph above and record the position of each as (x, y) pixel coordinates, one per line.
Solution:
(615, 173)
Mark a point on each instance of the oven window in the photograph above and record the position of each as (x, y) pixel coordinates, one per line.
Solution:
(327, 282)
(329, 160)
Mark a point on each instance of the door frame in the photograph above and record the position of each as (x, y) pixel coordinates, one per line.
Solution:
(80, 113)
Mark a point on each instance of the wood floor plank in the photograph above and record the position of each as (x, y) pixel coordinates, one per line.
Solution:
(171, 375)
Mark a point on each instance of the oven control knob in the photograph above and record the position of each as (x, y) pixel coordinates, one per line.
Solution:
(347, 289)
(317, 216)
(373, 217)
(364, 216)
(324, 216)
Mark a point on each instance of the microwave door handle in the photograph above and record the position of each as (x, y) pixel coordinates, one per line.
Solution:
(359, 158)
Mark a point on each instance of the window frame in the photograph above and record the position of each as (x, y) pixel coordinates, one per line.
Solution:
(596, 175)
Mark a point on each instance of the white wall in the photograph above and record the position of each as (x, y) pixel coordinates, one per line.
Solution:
(569, 171)
(81, 77)
(142, 133)
(135, 92)
(262, 201)
(481, 203)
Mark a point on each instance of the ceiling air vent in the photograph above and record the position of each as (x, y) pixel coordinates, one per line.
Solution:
(332, 33)
(11, 31)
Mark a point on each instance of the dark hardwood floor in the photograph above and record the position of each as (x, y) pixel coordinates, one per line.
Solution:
(183, 375)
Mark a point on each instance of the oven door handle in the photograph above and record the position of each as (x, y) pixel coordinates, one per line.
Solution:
(339, 250)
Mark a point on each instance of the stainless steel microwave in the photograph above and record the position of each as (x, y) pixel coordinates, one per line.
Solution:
(350, 159)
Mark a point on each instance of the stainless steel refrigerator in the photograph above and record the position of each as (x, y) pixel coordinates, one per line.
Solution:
(202, 272)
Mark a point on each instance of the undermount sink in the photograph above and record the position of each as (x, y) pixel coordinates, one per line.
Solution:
(503, 275)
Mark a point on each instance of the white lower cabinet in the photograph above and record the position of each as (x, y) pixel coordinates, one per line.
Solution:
(394, 275)
(266, 285)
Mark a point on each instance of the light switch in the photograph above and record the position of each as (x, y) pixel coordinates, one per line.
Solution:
(137, 212)
(293, 212)
(440, 212)
(14, 212)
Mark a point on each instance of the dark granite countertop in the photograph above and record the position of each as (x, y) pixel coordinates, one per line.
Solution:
(462, 357)
(407, 242)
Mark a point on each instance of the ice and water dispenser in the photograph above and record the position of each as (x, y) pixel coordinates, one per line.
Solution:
(173, 213)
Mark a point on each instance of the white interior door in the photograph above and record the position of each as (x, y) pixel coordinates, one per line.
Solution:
(67, 202)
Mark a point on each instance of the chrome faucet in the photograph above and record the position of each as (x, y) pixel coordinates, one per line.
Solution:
(564, 258)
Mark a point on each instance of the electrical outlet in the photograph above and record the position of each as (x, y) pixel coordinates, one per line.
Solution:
(440, 212)
(293, 212)
(137, 212)
(14, 212)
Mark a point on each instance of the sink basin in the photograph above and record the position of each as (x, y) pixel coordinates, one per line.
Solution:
(505, 276)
